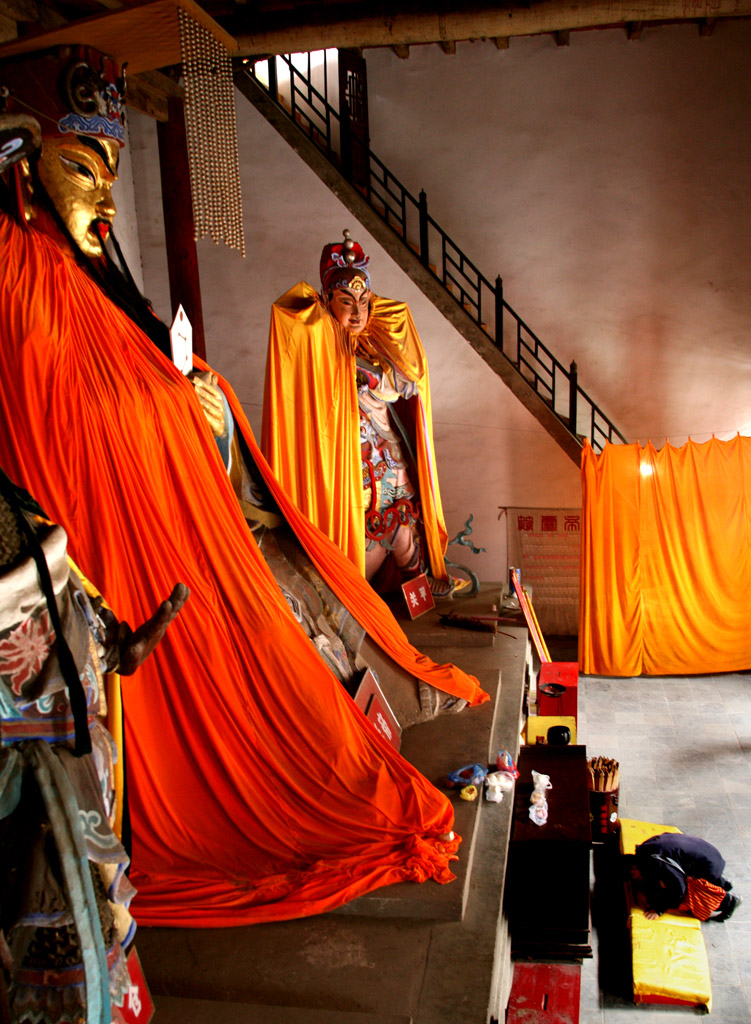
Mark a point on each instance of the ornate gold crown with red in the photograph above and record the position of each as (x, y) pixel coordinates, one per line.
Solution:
(343, 265)
(70, 90)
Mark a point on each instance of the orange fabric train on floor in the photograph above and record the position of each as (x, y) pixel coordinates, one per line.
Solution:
(257, 790)
(666, 559)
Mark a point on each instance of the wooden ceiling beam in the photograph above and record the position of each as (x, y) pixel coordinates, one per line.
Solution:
(150, 93)
(290, 31)
(449, 46)
(29, 12)
(634, 29)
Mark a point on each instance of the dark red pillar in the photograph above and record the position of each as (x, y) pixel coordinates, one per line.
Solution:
(177, 203)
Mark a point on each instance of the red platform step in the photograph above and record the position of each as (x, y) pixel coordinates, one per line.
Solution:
(544, 994)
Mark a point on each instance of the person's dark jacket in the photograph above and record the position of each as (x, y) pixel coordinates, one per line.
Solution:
(665, 861)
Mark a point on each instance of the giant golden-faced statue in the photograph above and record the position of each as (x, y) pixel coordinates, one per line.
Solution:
(74, 95)
(257, 790)
(78, 174)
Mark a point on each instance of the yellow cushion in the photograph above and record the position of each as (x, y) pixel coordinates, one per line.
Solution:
(635, 832)
(669, 960)
(668, 955)
(538, 725)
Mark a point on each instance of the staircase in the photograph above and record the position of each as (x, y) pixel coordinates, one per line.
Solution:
(292, 92)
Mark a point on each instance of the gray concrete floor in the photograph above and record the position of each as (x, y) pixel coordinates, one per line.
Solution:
(684, 745)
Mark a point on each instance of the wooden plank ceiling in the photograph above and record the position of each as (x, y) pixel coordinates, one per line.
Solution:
(263, 27)
(275, 26)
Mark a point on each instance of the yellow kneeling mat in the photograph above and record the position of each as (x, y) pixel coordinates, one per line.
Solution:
(669, 960)
(668, 955)
(635, 832)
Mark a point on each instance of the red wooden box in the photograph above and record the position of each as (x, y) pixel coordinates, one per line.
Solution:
(558, 689)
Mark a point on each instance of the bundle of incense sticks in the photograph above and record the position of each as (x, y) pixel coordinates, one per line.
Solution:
(604, 774)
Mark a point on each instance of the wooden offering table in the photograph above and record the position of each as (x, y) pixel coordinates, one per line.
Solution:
(547, 887)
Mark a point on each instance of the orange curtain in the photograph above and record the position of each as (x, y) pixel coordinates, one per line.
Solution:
(666, 559)
(257, 790)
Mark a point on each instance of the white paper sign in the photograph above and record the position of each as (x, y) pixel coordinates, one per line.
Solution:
(181, 336)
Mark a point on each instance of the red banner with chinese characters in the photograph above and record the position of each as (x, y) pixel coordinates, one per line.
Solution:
(545, 543)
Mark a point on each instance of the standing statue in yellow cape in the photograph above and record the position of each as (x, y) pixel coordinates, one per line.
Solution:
(347, 425)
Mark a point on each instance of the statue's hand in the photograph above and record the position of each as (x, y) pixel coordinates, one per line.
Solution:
(209, 395)
(135, 647)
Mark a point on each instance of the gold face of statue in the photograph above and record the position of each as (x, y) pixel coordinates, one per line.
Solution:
(78, 174)
(352, 311)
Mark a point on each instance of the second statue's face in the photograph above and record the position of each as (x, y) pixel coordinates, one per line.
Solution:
(78, 174)
(350, 309)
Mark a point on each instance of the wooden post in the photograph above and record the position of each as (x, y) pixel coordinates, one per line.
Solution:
(424, 243)
(573, 384)
(499, 313)
(353, 118)
(179, 228)
(273, 81)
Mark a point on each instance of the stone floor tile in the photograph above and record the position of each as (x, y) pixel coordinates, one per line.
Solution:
(735, 771)
(685, 822)
(636, 754)
(659, 733)
(730, 1005)
(629, 717)
(602, 743)
(717, 812)
(705, 781)
(688, 765)
(743, 824)
(718, 834)
(679, 801)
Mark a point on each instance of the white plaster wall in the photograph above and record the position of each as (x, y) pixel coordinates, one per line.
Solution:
(607, 182)
(486, 443)
(126, 225)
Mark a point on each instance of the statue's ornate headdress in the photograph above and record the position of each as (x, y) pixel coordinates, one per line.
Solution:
(70, 90)
(146, 36)
(344, 265)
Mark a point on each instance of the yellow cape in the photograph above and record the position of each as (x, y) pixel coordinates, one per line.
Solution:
(311, 424)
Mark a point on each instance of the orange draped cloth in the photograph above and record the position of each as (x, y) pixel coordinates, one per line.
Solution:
(666, 559)
(311, 421)
(257, 790)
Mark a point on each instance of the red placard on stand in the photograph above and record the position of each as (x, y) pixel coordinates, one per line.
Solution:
(418, 596)
(138, 1006)
(372, 702)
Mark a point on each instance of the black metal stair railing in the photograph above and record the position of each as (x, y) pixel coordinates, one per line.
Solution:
(289, 81)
